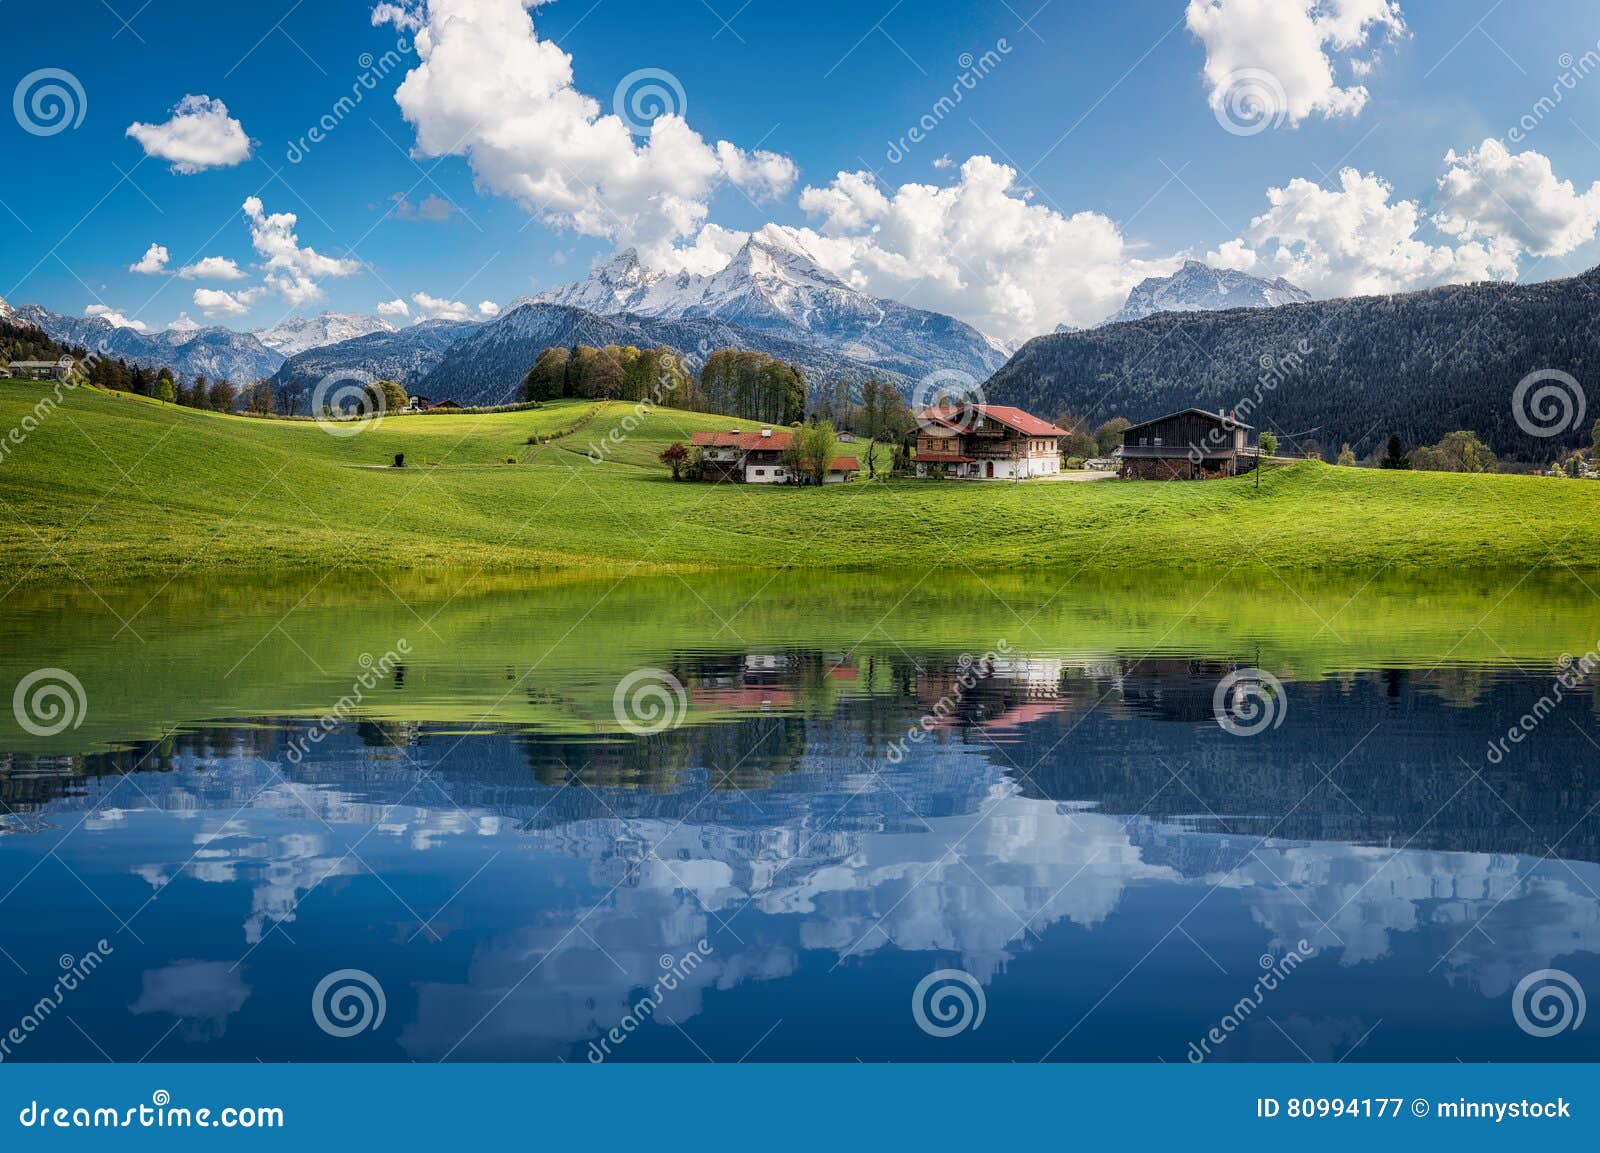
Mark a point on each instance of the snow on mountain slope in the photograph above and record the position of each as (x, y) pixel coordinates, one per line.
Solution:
(773, 285)
(1198, 287)
(301, 333)
(210, 352)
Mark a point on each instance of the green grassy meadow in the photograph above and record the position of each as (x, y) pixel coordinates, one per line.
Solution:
(116, 489)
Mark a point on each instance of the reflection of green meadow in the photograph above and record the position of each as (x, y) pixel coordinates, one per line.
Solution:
(114, 488)
(549, 654)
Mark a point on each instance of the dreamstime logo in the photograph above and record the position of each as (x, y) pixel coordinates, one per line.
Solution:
(49, 100)
(1547, 1002)
(947, 1002)
(649, 701)
(49, 701)
(373, 69)
(973, 69)
(347, 1002)
(1250, 102)
(646, 95)
(947, 398)
(1548, 402)
(348, 403)
(1249, 701)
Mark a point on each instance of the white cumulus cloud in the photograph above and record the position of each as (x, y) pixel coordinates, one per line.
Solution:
(395, 307)
(106, 312)
(437, 308)
(1491, 194)
(215, 302)
(211, 268)
(487, 88)
(152, 262)
(1356, 239)
(1287, 53)
(980, 249)
(199, 135)
(289, 269)
(489, 309)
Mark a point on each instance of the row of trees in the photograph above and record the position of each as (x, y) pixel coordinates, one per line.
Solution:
(752, 384)
(615, 372)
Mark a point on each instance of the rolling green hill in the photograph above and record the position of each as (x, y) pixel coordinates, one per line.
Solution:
(111, 488)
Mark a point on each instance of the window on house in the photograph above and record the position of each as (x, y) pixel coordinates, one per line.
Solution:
(761, 472)
(1144, 441)
(1158, 442)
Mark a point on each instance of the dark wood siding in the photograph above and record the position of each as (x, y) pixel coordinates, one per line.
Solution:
(1184, 430)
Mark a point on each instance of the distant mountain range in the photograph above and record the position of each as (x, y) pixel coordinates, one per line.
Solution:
(405, 355)
(486, 365)
(210, 352)
(1418, 364)
(776, 288)
(303, 333)
(1198, 287)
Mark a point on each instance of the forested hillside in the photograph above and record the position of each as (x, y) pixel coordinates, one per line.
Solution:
(1420, 364)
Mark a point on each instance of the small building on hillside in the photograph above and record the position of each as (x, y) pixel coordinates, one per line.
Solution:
(42, 369)
(418, 403)
(986, 442)
(842, 469)
(1194, 444)
(444, 406)
(758, 458)
(746, 457)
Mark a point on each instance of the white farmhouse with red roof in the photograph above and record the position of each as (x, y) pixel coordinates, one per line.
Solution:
(758, 458)
(986, 442)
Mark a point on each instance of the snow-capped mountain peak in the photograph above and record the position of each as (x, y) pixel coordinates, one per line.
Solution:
(1198, 287)
(300, 334)
(773, 285)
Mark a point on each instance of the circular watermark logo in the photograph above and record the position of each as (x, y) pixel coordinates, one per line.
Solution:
(1547, 1002)
(947, 1002)
(49, 701)
(347, 1002)
(348, 403)
(1548, 402)
(649, 701)
(646, 95)
(1250, 101)
(947, 398)
(1249, 701)
(49, 100)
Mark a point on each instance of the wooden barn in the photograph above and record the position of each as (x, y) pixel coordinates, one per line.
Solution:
(1190, 445)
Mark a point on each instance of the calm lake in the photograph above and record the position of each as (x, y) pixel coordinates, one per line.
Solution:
(456, 818)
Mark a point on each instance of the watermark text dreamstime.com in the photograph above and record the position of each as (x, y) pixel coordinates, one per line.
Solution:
(973, 70)
(675, 971)
(1275, 370)
(1574, 70)
(1276, 971)
(160, 1113)
(373, 69)
(374, 672)
(1574, 675)
(75, 971)
(971, 672)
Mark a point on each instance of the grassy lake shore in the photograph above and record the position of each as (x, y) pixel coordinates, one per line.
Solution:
(116, 489)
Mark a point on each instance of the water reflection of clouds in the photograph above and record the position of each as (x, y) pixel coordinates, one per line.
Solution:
(944, 856)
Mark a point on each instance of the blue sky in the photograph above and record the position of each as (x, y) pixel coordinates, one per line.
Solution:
(1121, 165)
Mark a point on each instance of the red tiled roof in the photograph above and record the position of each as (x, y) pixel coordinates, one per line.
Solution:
(941, 458)
(779, 441)
(845, 464)
(1025, 423)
